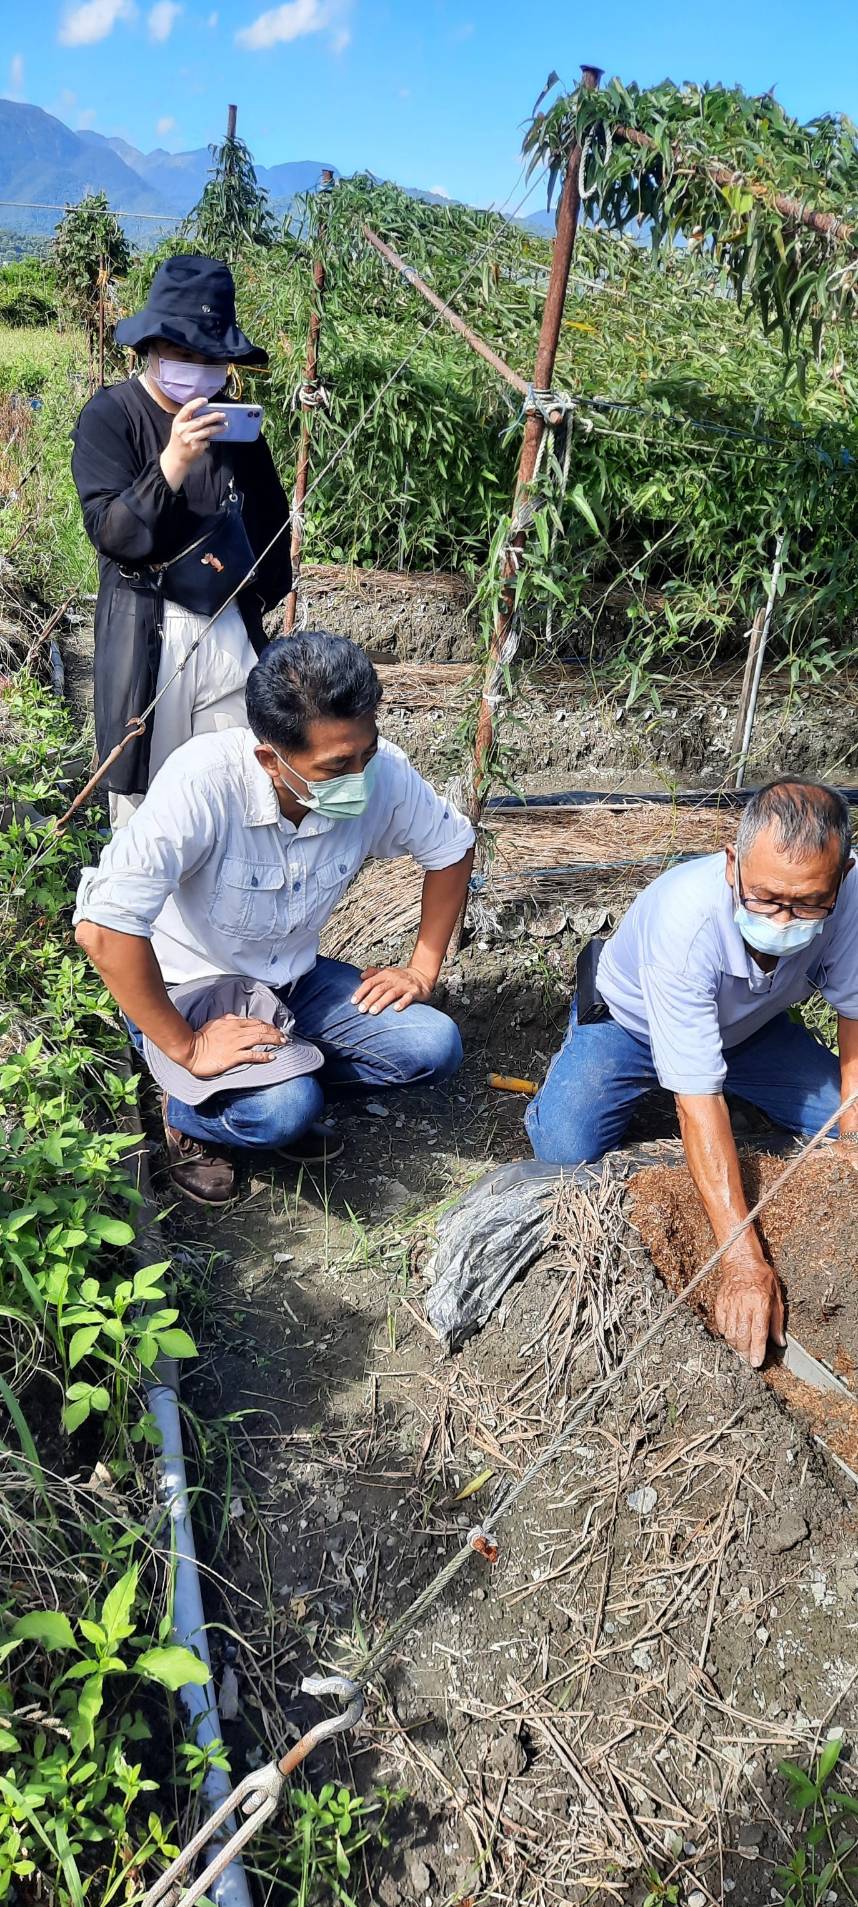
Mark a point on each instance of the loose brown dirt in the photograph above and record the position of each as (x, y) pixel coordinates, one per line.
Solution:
(810, 1233)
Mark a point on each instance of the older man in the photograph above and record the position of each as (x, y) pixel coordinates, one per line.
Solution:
(696, 987)
(204, 913)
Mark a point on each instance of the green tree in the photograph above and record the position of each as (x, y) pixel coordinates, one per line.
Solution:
(234, 209)
(89, 251)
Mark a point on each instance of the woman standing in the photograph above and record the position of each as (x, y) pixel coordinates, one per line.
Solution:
(177, 518)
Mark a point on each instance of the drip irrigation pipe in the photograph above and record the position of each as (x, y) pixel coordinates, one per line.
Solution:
(188, 1623)
(686, 798)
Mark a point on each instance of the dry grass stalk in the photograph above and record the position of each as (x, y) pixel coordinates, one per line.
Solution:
(323, 579)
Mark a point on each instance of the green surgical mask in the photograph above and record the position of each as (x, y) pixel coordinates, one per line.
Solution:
(340, 799)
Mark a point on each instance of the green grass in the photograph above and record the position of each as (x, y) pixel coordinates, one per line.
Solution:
(41, 527)
(31, 356)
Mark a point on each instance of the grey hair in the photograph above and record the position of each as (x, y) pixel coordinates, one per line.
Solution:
(806, 816)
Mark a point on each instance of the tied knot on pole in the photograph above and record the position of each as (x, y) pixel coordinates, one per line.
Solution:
(586, 191)
(551, 406)
(311, 397)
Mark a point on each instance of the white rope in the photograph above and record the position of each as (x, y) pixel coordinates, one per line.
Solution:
(311, 397)
(589, 192)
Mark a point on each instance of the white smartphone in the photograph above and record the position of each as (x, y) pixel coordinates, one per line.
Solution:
(243, 421)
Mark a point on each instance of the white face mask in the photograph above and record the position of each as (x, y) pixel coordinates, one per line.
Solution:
(767, 937)
(341, 798)
(182, 381)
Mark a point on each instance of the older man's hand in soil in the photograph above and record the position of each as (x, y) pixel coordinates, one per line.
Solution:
(391, 986)
(749, 1309)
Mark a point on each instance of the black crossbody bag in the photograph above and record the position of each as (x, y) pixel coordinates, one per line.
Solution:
(205, 574)
(591, 1006)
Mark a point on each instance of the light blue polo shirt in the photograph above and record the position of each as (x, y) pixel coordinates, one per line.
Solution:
(677, 973)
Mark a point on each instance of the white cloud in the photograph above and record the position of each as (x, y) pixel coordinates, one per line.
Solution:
(165, 125)
(16, 76)
(294, 21)
(341, 39)
(93, 21)
(440, 191)
(162, 19)
(212, 20)
(66, 100)
(86, 119)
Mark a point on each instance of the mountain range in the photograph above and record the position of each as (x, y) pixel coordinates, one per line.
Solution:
(44, 164)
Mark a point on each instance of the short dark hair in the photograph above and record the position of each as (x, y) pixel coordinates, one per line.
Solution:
(806, 815)
(299, 679)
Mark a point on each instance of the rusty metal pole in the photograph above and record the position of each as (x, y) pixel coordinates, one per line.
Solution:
(302, 469)
(534, 425)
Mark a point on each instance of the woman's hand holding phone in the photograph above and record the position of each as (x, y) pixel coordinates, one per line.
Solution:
(195, 426)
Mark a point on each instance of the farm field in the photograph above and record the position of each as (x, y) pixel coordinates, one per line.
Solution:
(650, 1697)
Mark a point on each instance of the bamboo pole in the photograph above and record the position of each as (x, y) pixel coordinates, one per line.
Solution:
(231, 117)
(311, 362)
(102, 278)
(417, 283)
(793, 211)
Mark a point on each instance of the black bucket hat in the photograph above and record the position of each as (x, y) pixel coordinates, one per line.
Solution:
(192, 303)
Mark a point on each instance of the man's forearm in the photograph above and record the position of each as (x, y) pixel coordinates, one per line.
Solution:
(130, 972)
(847, 1040)
(444, 891)
(713, 1162)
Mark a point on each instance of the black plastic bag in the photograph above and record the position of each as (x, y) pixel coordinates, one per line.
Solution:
(486, 1241)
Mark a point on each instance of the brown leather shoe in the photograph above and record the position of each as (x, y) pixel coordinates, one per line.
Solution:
(197, 1170)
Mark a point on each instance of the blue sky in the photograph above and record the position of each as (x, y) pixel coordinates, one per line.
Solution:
(430, 92)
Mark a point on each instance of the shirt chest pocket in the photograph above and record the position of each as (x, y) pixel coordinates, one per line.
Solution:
(249, 899)
(330, 880)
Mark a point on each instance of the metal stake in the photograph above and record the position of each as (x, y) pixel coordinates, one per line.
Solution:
(760, 633)
(302, 469)
(534, 425)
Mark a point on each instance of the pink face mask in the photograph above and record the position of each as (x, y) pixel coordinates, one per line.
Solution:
(182, 381)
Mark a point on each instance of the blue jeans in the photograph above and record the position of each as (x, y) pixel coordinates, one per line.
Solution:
(593, 1083)
(362, 1054)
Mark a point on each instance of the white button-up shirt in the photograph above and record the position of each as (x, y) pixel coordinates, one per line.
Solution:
(214, 875)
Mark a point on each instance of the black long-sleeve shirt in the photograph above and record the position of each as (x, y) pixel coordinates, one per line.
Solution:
(134, 519)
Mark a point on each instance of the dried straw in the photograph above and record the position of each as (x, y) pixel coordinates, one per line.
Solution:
(537, 855)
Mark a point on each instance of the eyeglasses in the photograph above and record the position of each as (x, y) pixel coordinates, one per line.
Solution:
(795, 910)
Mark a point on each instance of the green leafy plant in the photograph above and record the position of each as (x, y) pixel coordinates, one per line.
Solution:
(330, 1829)
(89, 251)
(824, 1863)
(234, 210)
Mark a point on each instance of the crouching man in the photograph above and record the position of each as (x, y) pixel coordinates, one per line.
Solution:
(695, 989)
(204, 913)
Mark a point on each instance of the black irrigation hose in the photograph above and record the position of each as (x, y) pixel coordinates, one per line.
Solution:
(607, 798)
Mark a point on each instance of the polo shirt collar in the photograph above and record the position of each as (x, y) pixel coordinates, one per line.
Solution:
(736, 957)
